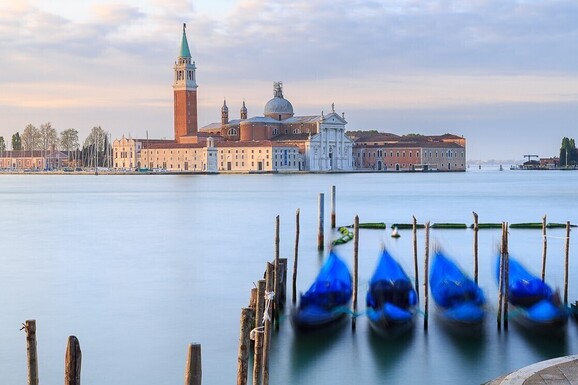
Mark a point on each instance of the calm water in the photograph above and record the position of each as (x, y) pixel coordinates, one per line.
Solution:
(137, 267)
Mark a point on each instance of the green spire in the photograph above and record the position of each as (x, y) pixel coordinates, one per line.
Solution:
(184, 52)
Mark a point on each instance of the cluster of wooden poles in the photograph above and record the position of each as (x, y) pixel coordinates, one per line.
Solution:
(266, 301)
(73, 359)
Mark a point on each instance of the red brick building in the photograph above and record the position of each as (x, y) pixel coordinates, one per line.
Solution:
(390, 152)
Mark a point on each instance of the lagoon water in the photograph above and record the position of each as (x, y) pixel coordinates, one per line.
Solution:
(137, 267)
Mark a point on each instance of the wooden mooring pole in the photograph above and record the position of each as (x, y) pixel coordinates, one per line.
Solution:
(566, 262)
(476, 247)
(294, 298)
(506, 276)
(258, 351)
(415, 262)
(193, 368)
(544, 248)
(269, 279)
(425, 280)
(253, 301)
(247, 322)
(73, 362)
(31, 353)
(333, 206)
(355, 269)
(501, 279)
(276, 278)
(320, 239)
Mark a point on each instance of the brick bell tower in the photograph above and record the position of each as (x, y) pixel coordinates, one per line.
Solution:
(185, 92)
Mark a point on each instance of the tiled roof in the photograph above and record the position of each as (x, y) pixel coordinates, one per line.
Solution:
(379, 137)
(171, 144)
(420, 144)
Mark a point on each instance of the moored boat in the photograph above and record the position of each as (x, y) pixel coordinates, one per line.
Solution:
(534, 305)
(327, 300)
(391, 299)
(460, 301)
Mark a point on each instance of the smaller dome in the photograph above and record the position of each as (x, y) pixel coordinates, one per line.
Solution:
(244, 108)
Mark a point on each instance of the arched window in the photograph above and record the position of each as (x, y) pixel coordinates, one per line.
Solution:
(296, 131)
(232, 132)
(275, 131)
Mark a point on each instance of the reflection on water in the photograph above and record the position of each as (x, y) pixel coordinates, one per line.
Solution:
(387, 352)
(542, 344)
(307, 346)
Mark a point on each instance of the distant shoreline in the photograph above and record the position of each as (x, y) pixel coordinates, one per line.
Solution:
(112, 172)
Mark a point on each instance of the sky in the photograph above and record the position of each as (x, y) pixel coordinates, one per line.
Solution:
(501, 73)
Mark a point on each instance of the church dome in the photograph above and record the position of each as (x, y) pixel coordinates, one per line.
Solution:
(278, 107)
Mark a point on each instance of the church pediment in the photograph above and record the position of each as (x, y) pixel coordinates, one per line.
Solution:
(334, 119)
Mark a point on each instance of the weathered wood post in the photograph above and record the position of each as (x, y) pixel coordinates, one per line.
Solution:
(294, 299)
(282, 283)
(267, 324)
(72, 362)
(333, 206)
(544, 248)
(260, 306)
(501, 278)
(253, 300)
(506, 277)
(566, 262)
(193, 368)
(425, 279)
(276, 283)
(476, 228)
(415, 262)
(30, 328)
(320, 239)
(258, 351)
(355, 268)
(247, 322)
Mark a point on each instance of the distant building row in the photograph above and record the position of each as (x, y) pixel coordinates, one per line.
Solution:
(276, 141)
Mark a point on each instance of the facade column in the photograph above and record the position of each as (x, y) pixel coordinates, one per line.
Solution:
(327, 148)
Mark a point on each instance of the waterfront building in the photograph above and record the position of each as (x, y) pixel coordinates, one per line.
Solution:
(390, 152)
(180, 157)
(33, 160)
(279, 140)
(321, 139)
(126, 154)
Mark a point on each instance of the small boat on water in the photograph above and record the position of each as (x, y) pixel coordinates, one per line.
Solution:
(534, 305)
(395, 233)
(327, 300)
(391, 299)
(460, 301)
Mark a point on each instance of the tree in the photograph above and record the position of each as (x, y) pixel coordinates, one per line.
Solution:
(48, 137)
(16, 142)
(2, 144)
(69, 143)
(568, 152)
(69, 140)
(31, 138)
